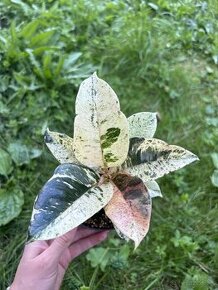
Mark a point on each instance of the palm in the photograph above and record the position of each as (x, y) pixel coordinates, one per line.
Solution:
(66, 257)
(44, 263)
(58, 270)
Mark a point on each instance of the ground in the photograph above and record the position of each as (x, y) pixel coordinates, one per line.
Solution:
(159, 56)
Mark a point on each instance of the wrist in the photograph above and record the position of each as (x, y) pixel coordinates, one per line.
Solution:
(12, 287)
(15, 286)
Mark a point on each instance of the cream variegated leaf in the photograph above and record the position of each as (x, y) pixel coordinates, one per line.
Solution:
(130, 208)
(61, 146)
(70, 197)
(153, 188)
(120, 234)
(126, 159)
(152, 158)
(100, 128)
(142, 125)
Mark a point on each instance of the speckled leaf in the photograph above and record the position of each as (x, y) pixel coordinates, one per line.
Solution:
(120, 234)
(70, 197)
(153, 188)
(100, 128)
(61, 146)
(152, 158)
(142, 125)
(130, 208)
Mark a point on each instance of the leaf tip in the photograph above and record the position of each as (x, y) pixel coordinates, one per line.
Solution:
(47, 136)
(158, 116)
(195, 157)
(95, 75)
(136, 244)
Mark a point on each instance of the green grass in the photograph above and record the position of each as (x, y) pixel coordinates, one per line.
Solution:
(157, 58)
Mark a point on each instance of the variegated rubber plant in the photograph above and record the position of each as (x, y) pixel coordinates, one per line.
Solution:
(108, 170)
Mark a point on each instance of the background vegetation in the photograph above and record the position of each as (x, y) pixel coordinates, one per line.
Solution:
(158, 56)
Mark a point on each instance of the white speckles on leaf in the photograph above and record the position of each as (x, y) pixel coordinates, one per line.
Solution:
(78, 212)
(61, 146)
(142, 125)
(68, 199)
(117, 148)
(153, 158)
(100, 128)
(153, 188)
(130, 208)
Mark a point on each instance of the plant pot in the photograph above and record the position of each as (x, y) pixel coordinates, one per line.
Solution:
(99, 221)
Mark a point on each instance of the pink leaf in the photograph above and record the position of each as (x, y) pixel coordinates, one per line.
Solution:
(130, 207)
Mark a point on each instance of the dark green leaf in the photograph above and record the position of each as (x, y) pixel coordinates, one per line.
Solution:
(5, 163)
(70, 197)
(19, 153)
(11, 203)
(152, 158)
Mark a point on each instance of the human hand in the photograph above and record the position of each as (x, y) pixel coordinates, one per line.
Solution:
(44, 263)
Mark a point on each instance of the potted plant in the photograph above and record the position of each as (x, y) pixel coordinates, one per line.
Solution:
(108, 169)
